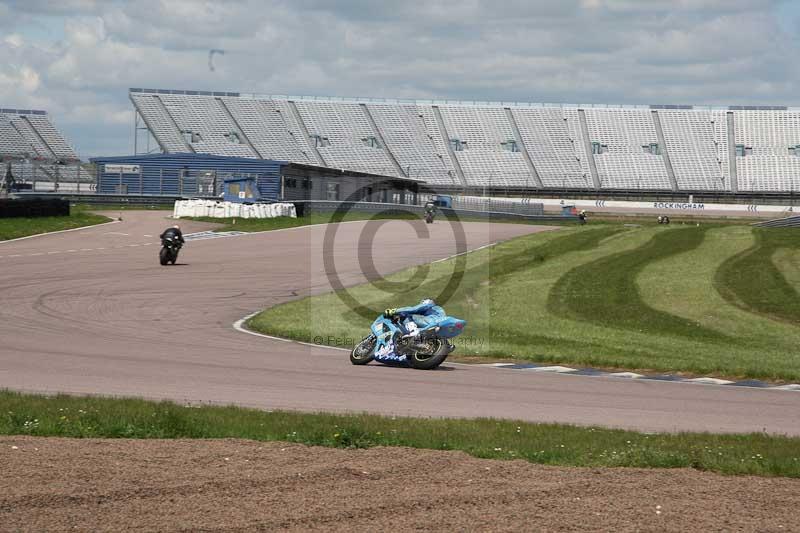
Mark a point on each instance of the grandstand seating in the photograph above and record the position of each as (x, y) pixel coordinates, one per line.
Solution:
(484, 133)
(766, 136)
(697, 141)
(415, 141)
(552, 138)
(272, 129)
(622, 163)
(478, 145)
(342, 134)
(29, 133)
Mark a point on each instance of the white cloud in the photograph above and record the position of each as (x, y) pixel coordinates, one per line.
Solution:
(581, 51)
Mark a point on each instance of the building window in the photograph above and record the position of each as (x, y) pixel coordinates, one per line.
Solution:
(510, 146)
(599, 148)
(290, 182)
(320, 141)
(742, 150)
(332, 191)
(372, 142)
(652, 149)
(233, 137)
(795, 150)
(458, 145)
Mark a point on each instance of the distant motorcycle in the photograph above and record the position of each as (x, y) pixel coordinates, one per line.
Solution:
(417, 336)
(429, 217)
(170, 246)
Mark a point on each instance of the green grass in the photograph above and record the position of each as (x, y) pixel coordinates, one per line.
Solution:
(752, 280)
(551, 444)
(643, 298)
(604, 291)
(13, 228)
(268, 224)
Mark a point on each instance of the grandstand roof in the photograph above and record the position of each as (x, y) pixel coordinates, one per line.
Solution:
(479, 103)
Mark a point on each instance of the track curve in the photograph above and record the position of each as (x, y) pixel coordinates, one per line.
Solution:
(92, 312)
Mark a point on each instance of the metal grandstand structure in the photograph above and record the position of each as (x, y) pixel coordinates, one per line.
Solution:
(492, 145)
(40, 157)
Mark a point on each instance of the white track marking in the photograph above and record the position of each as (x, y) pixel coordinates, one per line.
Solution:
(710, 381)
(558, 369)
(629, 375)
(791, 386)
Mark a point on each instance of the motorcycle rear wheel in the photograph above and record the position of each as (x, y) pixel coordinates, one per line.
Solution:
(428, 359)
(363, 352)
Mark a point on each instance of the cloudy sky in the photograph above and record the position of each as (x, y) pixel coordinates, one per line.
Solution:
(77, 58)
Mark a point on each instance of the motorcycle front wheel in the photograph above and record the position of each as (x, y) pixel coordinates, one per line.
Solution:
(163, 256)
(363, 352)
(432, 353)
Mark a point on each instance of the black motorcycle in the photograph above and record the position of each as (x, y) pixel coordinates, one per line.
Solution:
(170, 246)
(429, 217)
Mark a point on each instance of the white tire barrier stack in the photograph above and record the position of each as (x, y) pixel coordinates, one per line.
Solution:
(215, 209)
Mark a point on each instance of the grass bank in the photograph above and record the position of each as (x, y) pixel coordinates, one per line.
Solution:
(642, 298)
(551, 444)
(14, 228)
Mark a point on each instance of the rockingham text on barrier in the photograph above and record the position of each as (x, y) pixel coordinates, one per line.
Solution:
(674, 205)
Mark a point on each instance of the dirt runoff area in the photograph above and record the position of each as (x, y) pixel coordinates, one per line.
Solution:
(206, 485)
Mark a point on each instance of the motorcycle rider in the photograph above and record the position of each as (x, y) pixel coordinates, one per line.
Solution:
(422, 315)
(174, 232)
(430, 209)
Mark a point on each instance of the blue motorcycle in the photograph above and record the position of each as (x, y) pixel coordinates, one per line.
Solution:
(417, 336)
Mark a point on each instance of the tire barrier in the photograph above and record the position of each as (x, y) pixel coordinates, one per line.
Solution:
(33, 207)
(217, 209)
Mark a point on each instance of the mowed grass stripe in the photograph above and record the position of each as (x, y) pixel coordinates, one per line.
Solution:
(683, 285)
(604, 291)
(752, 281)
(552, 444)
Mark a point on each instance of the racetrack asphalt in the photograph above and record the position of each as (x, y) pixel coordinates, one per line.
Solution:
(92, 312)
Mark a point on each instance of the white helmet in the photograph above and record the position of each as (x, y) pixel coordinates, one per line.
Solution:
(427, 301)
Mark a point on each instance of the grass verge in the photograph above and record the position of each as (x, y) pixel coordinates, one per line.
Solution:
(752, 280)
(604, 295)
(551, 444)
(14, 228)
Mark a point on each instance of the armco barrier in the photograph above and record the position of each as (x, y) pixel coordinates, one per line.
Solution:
(307, 207)
(33, 207)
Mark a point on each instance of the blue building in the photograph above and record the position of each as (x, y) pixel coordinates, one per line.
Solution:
(202, 175)
(184, 174)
